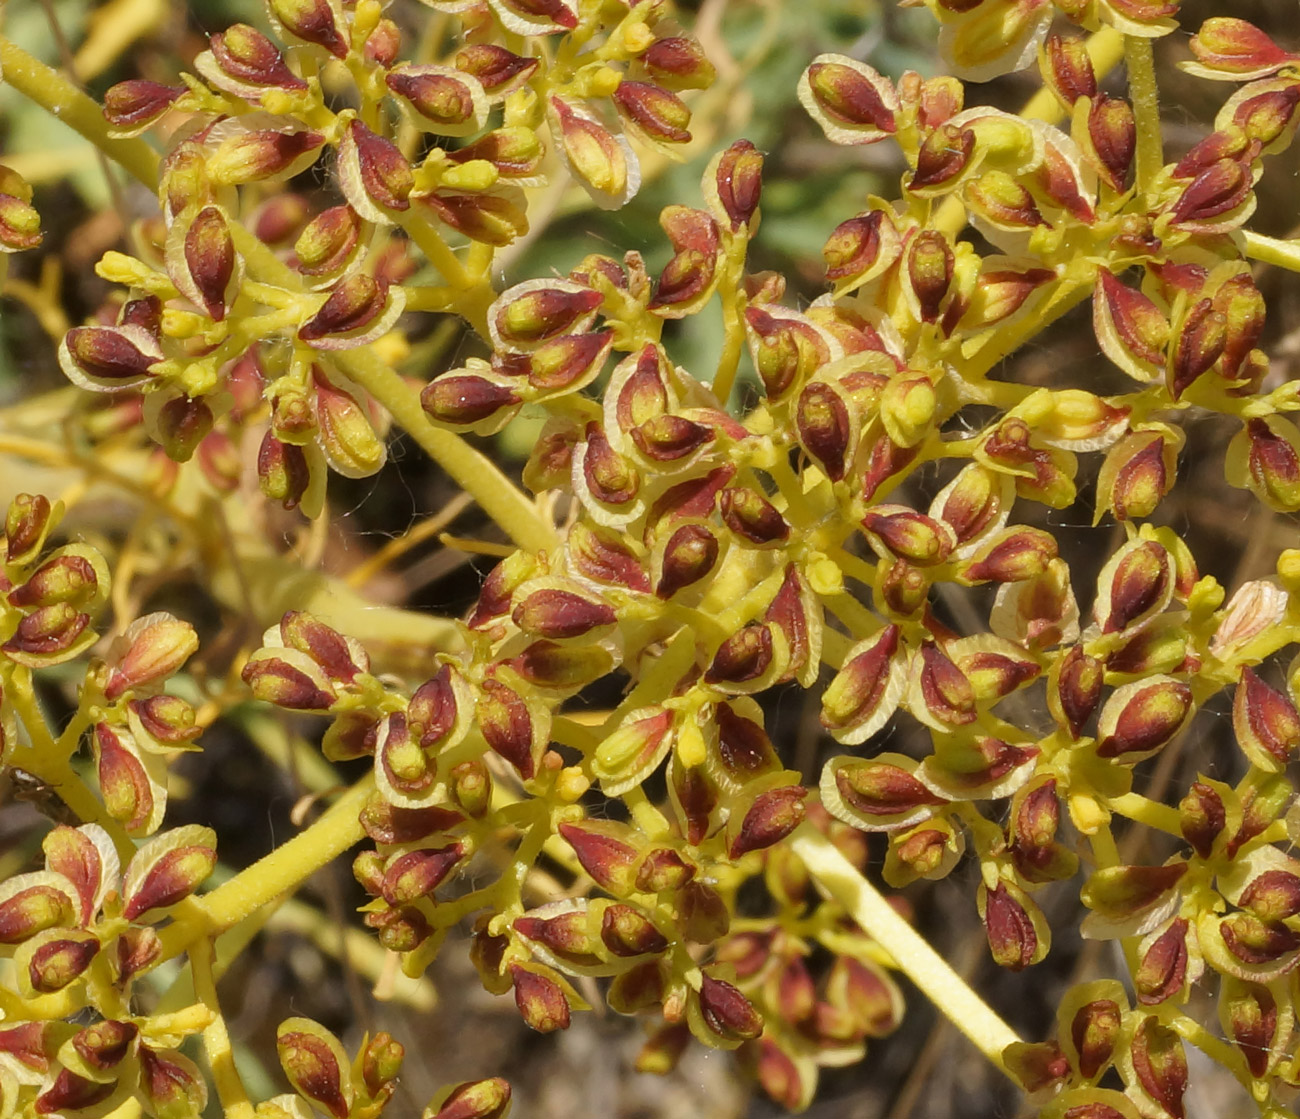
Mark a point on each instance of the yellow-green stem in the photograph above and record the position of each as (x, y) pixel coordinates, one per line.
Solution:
(216, 1039)
(1270, 250)
(280, 872)
(1144, 95)
(910, 951)
(500, 498)
(52, 91)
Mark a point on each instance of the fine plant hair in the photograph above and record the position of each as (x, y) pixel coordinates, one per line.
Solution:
(948, 498)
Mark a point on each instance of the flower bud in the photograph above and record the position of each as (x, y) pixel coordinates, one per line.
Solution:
(132, 106)
(1038, 1066)
(313, 21)
(247, 57)
(904, 590)
(294, 683)
(605, 851)
(600, 160)
(657, 113)
(530, 313)
(416, 874)
(373, 174)
(1136, 584)
(1112, 135)
(1238, 50)
(1140, 718)
(1264, 457)
(861, 248)
(1067, 69)
(1013, 934)
(626, 932)
(1137, 473)
(679, 62)
(689, 278)
(942, 157)
(510, 727)
(329, 242)
(315, 1064)
(475, 1099)
(30, 909)
(64, 578)
(355, 302)
(490, 218)
(689, 555)
(773, 816)
(726, 1013)
(786, 350)
(1269, 118)
(72, 1093)
(560, 614)
(446, 101)
(540, 998)
(106, 357)
(537, 17)
(155, 647)
(1003, 202)
(262, 155)
(1249, 1014)
(825, 426)
(1265, 722)
(908, 409)
(1216, 191)
(282, 471)
(498, 70)
(883, 792)
(1160, 1065)
(105, 1043)
(744, 656)
(865, 691)
(902, 532)
(183, 423)
(28, 520)
(852, 102)
(381, 1062)
(752, 517)
(49, 635)
(1202, 817)
(465, 401)
(515, 151)
(167, 869)
(1162, 968)
(138, 949)
(1131, 330)
(58, 958)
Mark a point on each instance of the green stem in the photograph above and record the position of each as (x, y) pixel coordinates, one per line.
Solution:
(1144, 94)
(1270, 250)
(53, 92)
(280, 872)
(733, 323)
(216, 1039)
(911, 952)
(500, 498)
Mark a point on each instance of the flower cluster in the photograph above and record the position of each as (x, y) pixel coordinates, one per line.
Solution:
(233, 302)
(870, 525)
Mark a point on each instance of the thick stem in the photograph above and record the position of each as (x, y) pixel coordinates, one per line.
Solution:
(280, 872)
(1144, 95)
(500, 498)
(52, 91)
(216, 1039)
(1270, 250)
(910, 951)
